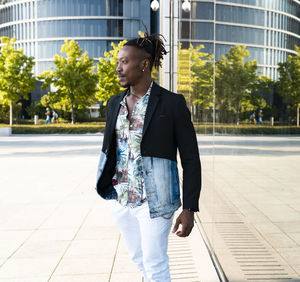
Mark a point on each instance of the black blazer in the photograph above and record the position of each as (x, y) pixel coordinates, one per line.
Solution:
(167, 127)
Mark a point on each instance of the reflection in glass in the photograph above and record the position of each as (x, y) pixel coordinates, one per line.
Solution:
(199, 30)
(200, 10)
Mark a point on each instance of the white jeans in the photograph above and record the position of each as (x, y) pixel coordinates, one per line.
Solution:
(146, 239)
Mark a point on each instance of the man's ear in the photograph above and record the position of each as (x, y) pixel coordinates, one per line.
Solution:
(146, 64)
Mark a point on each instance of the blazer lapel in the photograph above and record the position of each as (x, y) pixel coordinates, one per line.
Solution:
(152, 103)
(115, 111)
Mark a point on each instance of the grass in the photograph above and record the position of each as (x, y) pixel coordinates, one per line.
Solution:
(96, 127)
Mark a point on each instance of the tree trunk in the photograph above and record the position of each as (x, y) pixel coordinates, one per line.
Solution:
(11, 113)
(298, 114)
(238, 117)
(72, 115)
(191, 110)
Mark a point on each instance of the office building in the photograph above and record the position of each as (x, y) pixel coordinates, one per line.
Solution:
(41, 26)
(269, 28)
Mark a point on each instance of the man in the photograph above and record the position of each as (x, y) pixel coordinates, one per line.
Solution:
(48, 116)
(137, 171)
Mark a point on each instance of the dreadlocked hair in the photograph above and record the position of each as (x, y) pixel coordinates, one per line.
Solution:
(153, 45)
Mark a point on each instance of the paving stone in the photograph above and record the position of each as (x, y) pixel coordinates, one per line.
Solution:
(23, 268)
(289, 226)
(280, 240)
(26, 279)
(41, 249)
(126, 277)
(80, 278)
(295, 237)
(84, 265)
(291, 255)
(266, 227)
(86, 248)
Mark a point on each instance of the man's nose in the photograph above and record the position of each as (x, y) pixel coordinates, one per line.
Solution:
(118, 69)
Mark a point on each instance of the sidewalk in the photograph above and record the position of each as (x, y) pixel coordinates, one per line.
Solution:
(53, 225)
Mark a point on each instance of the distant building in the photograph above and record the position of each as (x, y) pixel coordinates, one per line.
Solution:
(41, 26)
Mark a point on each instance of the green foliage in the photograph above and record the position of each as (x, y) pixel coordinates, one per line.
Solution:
(74, 80)
(289, 80)
(16, 77)
(236, 82)
(36, 108)
(4, 112)
(108, 84)
(195, 76)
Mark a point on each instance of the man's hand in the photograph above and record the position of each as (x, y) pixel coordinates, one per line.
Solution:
(186, 219)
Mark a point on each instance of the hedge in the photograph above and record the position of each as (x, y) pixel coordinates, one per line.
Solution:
(59, 128)
(97, 127)
(246, 129)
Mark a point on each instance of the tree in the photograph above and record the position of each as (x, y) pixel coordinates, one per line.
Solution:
(108, 84)
(16, 77)
(235, 81)
(74, 80)
(195, 76)
(289, 80)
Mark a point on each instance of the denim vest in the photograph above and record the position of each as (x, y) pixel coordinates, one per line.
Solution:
(161, 183)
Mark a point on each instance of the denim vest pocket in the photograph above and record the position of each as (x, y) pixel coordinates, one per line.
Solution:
(162, 184)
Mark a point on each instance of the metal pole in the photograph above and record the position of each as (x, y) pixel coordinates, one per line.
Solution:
(214, 72)
(171, 45)
(36, 36)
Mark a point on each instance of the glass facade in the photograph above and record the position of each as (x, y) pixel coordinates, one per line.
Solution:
(249, 206)
(286, 6)
(42, 26)
(269, 29)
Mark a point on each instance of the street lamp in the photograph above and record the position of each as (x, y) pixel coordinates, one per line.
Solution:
(169, 25)
(186, 6)
(154, 5)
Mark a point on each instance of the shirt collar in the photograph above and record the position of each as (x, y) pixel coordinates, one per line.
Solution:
(147, 93)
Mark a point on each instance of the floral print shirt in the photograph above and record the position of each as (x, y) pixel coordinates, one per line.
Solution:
(128, 180)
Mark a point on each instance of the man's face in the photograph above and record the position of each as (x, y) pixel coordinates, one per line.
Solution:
(129, 66)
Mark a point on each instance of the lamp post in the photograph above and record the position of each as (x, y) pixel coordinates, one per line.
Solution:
(168, 26)
(186, 6)
(154, 5)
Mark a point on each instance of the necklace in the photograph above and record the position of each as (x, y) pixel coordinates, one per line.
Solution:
(135, 95)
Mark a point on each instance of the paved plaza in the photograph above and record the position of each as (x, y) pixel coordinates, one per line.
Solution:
(54, 227)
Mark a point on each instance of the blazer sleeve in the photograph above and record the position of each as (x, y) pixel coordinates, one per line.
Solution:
(107, 119)
(189, 154)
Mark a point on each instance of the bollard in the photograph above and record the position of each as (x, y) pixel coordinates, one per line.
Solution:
(272, 121)
(36, 119)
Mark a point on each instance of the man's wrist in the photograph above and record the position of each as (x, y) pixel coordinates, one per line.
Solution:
(190, 210)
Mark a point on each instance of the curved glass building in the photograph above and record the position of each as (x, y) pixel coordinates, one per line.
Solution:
(41, 26)
(268, 28)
